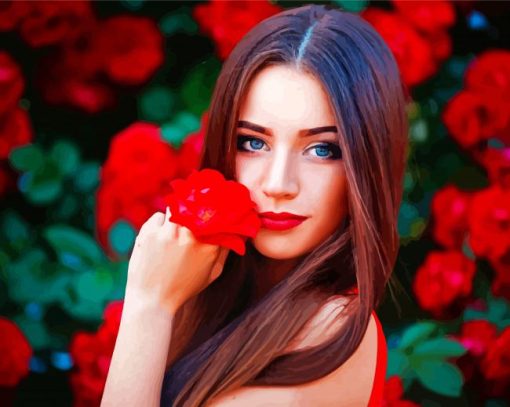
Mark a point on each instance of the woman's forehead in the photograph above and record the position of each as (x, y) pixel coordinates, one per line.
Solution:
(280, 96)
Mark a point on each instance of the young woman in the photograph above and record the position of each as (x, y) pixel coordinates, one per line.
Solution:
(309, 114)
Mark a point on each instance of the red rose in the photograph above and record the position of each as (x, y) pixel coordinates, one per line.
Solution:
(217, 211)
(132, 48)
(134, 178)
(11, 83)
(441, 45)
(495, 364)
(442, 280)
(11, 12)
(449, 211)
(501, 282)
(15, 131)
(428, 16)
(49, 22)
(489, 73)
(393, 393)
(412, 52)
(473, 117)
(497, 164)
(71, 75)
(477, 336)
(92, 354)
(15, 354)
(228, 21)
(489, 222)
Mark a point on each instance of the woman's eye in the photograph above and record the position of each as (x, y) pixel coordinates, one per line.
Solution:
(253, 142)
(327, 151)
(324, 149)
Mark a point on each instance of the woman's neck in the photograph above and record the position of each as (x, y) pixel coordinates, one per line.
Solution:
(270, 273)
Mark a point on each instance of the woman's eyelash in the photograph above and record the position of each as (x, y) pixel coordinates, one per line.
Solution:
(334, 148)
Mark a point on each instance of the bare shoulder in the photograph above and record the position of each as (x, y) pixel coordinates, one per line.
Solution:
(339, 387)
(349, 385)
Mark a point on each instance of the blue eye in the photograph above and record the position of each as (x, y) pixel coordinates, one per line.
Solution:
(331, 147)
(256, 144)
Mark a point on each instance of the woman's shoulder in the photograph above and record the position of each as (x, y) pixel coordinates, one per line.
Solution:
(362, 364)
(325, 323)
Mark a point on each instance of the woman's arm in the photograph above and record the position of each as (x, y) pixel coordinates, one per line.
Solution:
(138, 363)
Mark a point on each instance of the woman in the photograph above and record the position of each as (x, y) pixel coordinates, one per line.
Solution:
(279, 325)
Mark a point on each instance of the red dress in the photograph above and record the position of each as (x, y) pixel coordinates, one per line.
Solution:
(376, 397)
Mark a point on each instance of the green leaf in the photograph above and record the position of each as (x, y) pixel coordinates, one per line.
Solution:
(86, 178)
(176, 131)
(66, 156)
(439, 348)
(14, 228)
(121, 237)
(440, 377)
(178, 21)
(87, 310)
(67, 240)
(156, 104)
(44, 186)
(26, 158)
(498, 309)
(44, 192)
(93, 285)
(198, 85)
(398, 363)
(353, 6)
(416, 333)
(35, 331)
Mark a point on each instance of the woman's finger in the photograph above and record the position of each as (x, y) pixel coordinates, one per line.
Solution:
(170, 227)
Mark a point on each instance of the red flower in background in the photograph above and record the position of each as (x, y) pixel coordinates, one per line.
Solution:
(431, 19)
(412, 52)
(228, 21)
(476, 336)
(495, 366)
(443, 281)
(134, 178)
(497, 164)
(489, 222)
(427, 16)
(11, 83)
(49, 22)
(501, 281)
(125, 49)
(92, 354)
(216, 210)
(393, 393)
(11, 12)
(489, 73)
(472, 117)
(15, 354)
(132, 48)
(15, 131)
(449, 210)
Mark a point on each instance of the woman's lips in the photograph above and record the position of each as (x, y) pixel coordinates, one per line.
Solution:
(283, 224)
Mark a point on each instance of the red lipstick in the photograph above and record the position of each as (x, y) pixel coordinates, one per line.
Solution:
(280, 221)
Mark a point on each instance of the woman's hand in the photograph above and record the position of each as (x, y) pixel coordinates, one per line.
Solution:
(168, 265)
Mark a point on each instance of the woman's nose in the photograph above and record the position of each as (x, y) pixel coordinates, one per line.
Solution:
(280, 176)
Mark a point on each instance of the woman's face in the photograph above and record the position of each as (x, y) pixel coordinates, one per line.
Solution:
(285, 169)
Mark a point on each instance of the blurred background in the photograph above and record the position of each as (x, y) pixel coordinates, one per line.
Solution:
(103, 103)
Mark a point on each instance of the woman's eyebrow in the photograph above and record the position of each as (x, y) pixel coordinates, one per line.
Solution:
(303, 133)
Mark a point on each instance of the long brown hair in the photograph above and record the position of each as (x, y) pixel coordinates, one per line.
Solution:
(228, 342)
